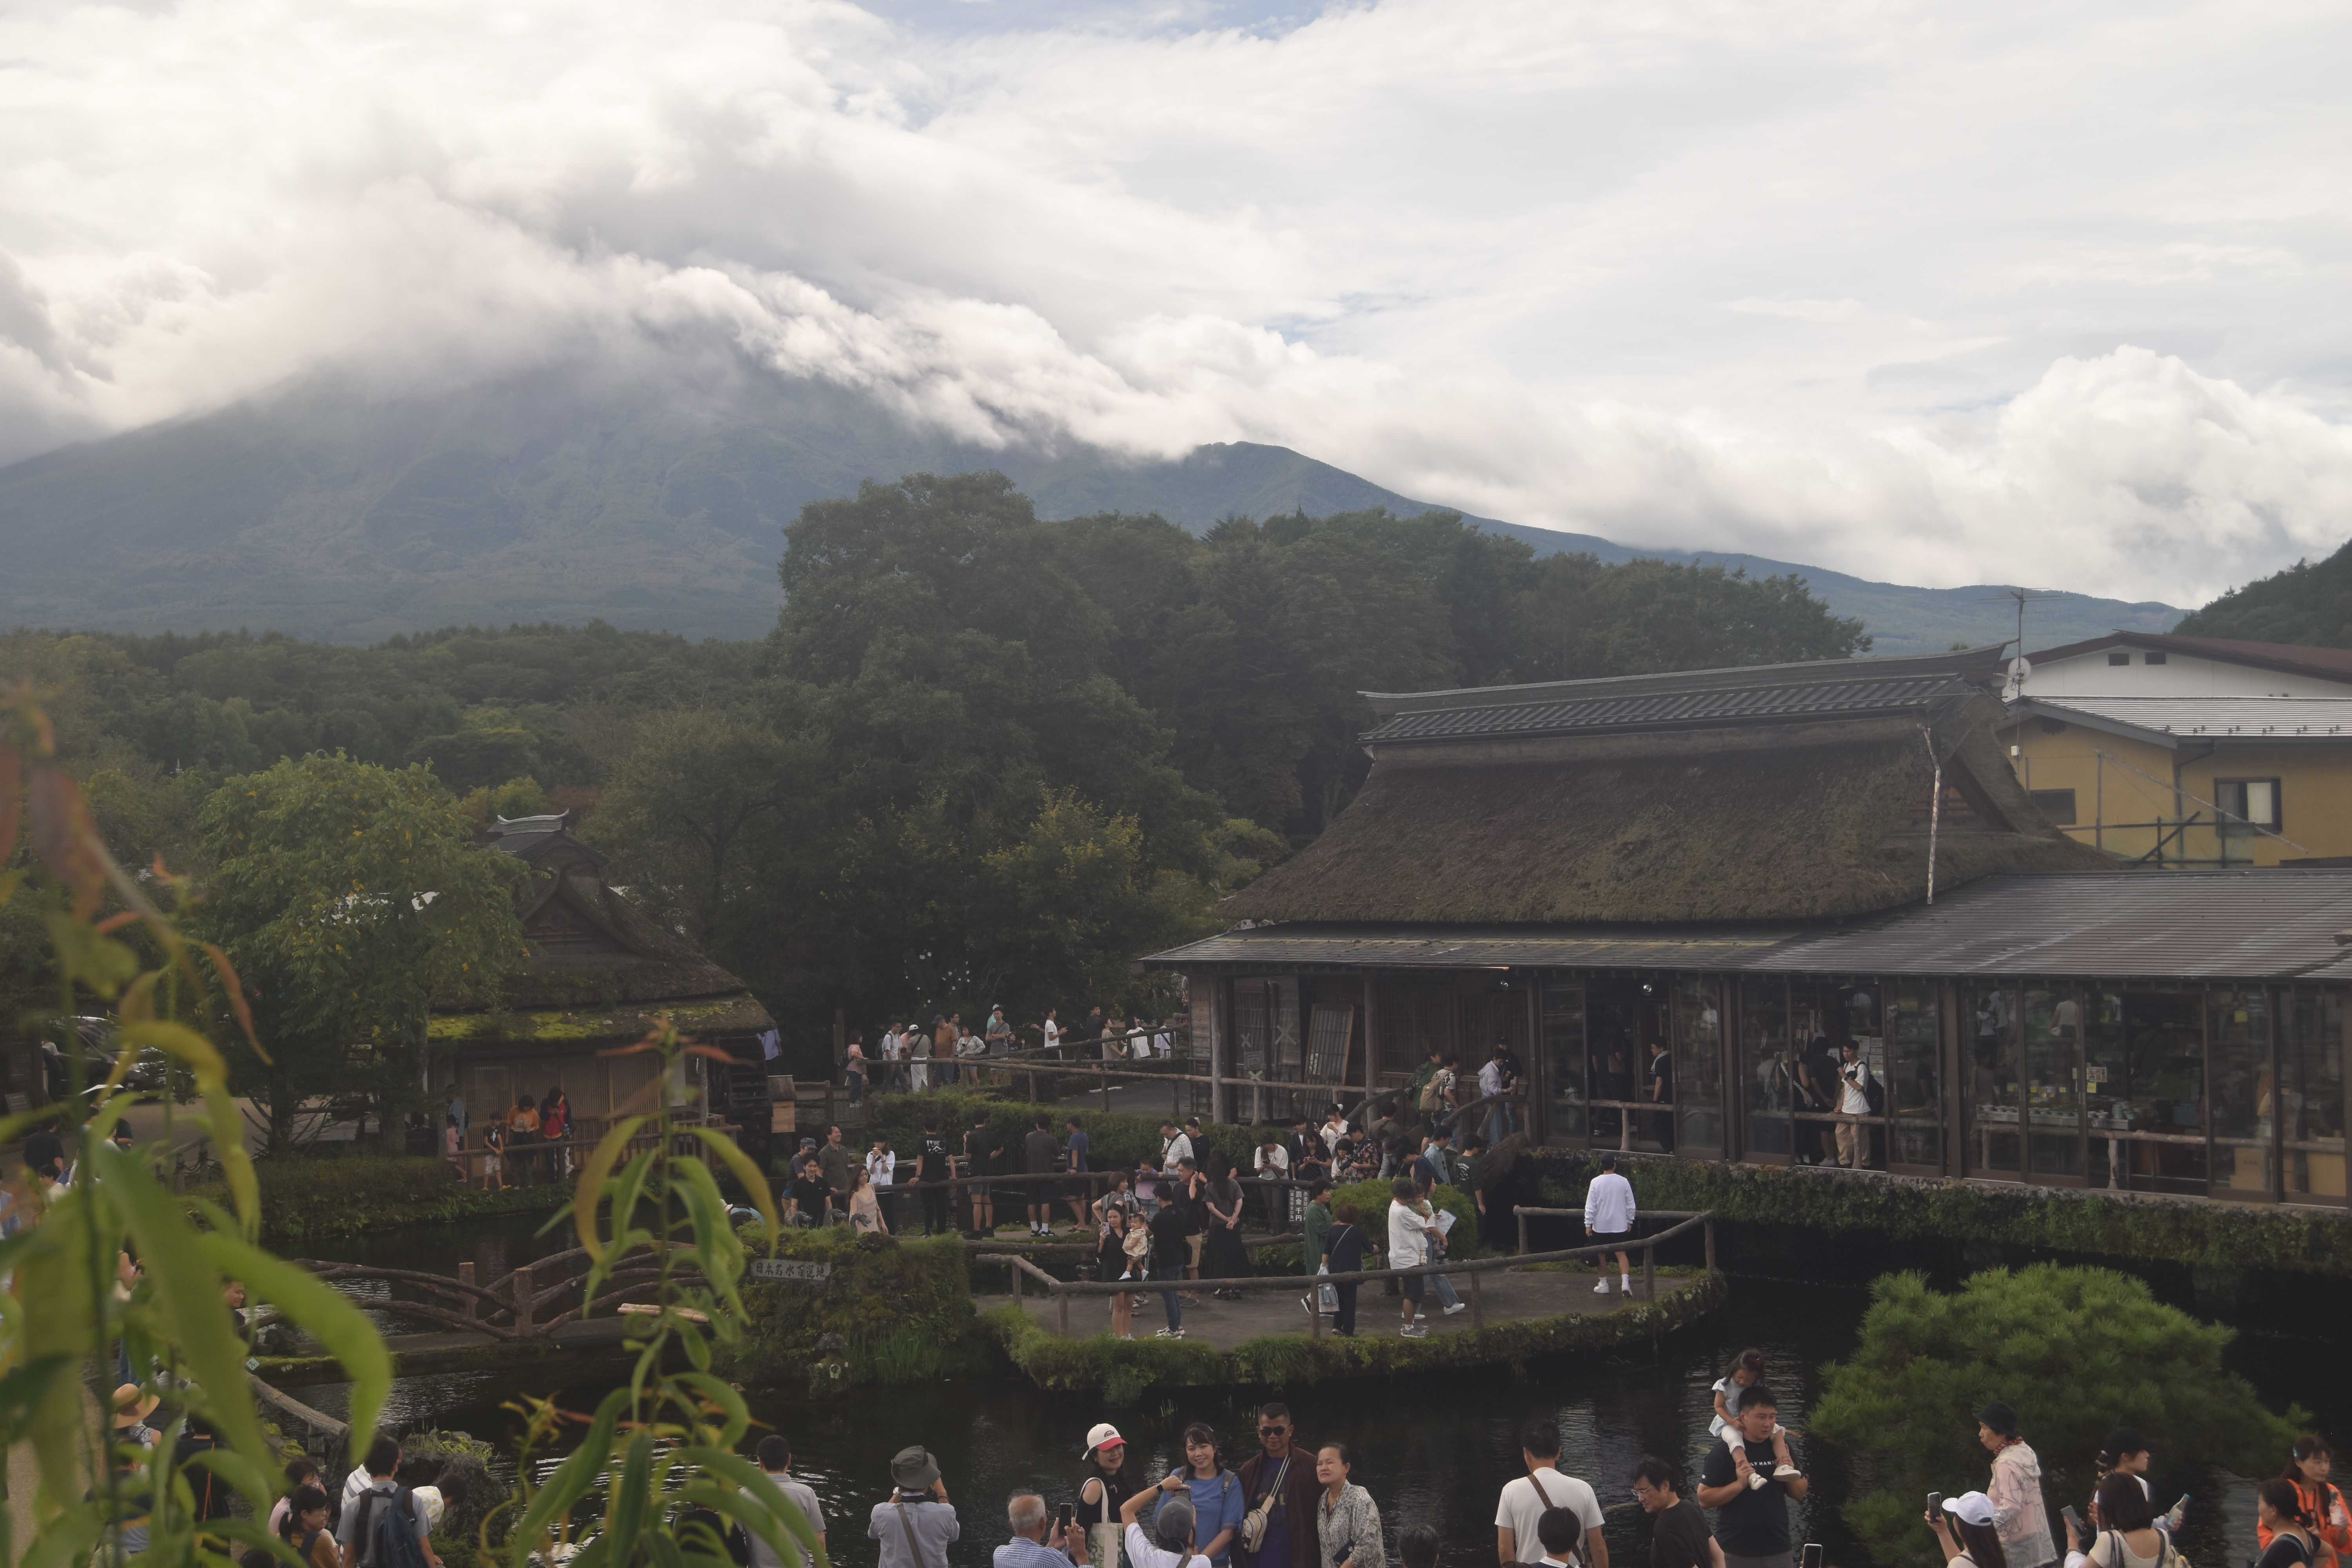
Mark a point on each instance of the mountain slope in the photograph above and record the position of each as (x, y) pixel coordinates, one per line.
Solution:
(651, 501)
(2308, 603)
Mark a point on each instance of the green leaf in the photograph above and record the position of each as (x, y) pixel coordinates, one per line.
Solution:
(593, 1176)
(187, 1295)
(754, 1181)
(743, 1473)
(326, 1314)
(22, 1391)
(575, 1477)
(632, 1491)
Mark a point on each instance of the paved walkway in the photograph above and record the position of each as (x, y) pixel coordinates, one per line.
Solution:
(1506, 1295)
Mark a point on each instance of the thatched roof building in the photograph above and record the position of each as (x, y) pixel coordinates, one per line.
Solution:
(601, 973)
(1790, 792)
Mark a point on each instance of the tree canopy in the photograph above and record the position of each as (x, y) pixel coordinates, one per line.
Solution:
(2075, 1352)
(981, 757)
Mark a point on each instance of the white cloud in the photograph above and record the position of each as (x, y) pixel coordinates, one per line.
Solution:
(1935, 292)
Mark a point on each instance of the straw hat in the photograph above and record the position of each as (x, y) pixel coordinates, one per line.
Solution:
(131, 1407)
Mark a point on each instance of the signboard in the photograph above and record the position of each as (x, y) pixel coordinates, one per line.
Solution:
(792, 1270)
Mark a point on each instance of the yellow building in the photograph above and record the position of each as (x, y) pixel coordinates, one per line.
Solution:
(2179, 751)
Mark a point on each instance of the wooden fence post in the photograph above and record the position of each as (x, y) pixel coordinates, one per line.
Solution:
(1015, 1269)
(1650, 1272)
(1478, 1302)
(1523, 1231)
(1710, 1243)
(1062, 1300)
(523, 1285)
(466, 1276)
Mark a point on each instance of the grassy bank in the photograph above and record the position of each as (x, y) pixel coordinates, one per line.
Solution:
(2100, 1224)
(1122, 1372)
(352, 1194)
(891, 1312)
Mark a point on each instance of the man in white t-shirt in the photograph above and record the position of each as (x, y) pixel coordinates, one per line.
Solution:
(1853, 1075)
(1170, 1545)
(1052, 1032)
(775, 1453)
(1609, 1216)
(1525, 1500)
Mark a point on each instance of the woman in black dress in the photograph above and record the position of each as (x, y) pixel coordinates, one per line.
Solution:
(1343, 1249)
(1223, 1257)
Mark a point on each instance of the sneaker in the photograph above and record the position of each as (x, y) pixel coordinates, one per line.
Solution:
(1415, 1330)
(1163, 1333)
(1787, 1473)
(1757, 1479)
(1306, 1305)
(1601, 1288)
(1457, 1307)
(1625, 1285)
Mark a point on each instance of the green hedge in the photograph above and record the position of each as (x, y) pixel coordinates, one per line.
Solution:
(1122, 1372)
(352, 1194)
(2231, 1237)
(900, 1307)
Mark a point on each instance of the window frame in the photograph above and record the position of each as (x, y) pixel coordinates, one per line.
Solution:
(2277, 823)
(2072, 819)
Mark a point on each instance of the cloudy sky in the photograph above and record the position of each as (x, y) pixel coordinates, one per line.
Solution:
(1941, 293)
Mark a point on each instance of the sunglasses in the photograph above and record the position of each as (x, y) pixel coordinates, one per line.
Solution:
(1272, 1431)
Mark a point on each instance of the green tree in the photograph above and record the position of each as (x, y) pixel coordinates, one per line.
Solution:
(350, 896)
(1586, 620)
(2309, 602)
(2076, 1351)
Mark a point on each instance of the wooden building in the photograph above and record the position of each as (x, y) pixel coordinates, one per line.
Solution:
(601, 972)
(1731, 871)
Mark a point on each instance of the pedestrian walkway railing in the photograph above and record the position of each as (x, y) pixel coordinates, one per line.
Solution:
(519, 1306)
(1475, 1268)
(1578, 1215)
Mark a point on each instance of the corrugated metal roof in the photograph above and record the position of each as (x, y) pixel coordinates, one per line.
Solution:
(2285, 719)
(2187, 925)
(1448, 947)
(1862, 696)
(2255, 925)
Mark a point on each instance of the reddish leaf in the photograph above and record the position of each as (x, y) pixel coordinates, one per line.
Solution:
(235, 989)
(64, 836)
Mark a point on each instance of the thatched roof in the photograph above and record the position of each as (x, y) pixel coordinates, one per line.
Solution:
(598, 963)
(1798, 814)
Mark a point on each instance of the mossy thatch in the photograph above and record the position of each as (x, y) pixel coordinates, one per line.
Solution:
(1811, 823)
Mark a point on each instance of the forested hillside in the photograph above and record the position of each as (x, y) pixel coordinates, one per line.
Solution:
(980, 757)
(2306, 603)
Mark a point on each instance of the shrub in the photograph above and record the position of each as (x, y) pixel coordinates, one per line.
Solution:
(350, 1194)
(897, 1306)
(2075, 1351)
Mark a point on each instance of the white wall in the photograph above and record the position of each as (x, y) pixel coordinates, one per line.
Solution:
(2090, 675)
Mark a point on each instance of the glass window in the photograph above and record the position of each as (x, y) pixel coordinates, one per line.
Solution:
(1411, 1023)
(2144, 1071)
(2311, 1063)
(1914, 1095)
(2054, 1083)
(2057, 804)
(2253, 800)
(1816, 1020)
(1612, 1035)
(1990, 1067)
(2238, 1036)
(1698, 1052)
(1766, 1087)
(1281, 1023)
(1250, 1017)
(1563, 1061)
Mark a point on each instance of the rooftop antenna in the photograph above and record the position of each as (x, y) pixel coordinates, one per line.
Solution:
(2018, 667)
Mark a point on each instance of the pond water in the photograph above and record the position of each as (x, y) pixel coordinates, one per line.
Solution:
(1434, 1449)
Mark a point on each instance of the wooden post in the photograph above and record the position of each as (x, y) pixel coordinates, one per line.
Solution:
(1315, 1309)
(1102, 1070)
(1709, 1228)
(1478, 1302)
(523, 1285)
(1015, 1269)
(466, 1276)
(1062, 1300)
(1650, 1272)
(1521, 1215)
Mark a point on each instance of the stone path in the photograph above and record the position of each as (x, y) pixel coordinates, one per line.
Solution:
(1506, 1296)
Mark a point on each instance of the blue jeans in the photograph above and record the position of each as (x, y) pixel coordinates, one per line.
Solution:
(1171, 1302)
(1445, 1296)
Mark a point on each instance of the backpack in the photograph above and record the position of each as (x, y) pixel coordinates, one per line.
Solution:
(393, 1530)
(1433, 1093)
(1875, 1093)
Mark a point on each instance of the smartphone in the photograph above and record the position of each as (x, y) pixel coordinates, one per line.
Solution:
(1062, 1519)
(1934, 1502)
(2076, 1519)
(1813, 1554)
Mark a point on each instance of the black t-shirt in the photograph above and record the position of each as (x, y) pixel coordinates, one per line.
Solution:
(2284, 1551)
(1662, 1077)
(1678, 1537)
(1169, 1229)
(810, 1192)
(1756, 1522)
(1043, 1148)
(979, 1145)
(931, 1159)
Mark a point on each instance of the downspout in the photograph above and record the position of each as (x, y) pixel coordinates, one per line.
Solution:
(1935, 807)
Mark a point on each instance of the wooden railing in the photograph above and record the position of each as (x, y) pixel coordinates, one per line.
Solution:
(1062, 1291)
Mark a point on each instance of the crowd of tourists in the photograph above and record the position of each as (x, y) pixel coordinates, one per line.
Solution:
(912, 1057)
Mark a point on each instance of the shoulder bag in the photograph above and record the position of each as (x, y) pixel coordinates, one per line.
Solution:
(1575, 1552)
(1254, 1523)
(914, 1547)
